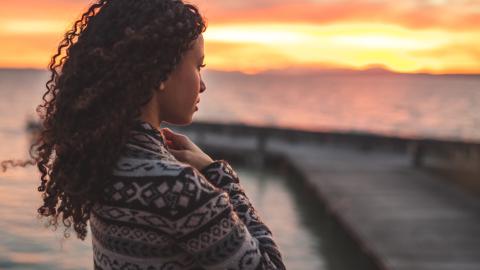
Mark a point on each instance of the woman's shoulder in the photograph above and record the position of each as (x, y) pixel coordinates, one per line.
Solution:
(148, 166)
(164, 187)
(145, 154)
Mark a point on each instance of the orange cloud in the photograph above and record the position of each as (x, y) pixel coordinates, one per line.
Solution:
(461, 58)
(42, 10)
(27, 50)
(31, 35)
(251, 36)
(413, 16)
(353, 45)
(248, 57)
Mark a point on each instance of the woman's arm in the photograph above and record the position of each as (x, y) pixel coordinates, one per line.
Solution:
(222, 175)
(215, 234)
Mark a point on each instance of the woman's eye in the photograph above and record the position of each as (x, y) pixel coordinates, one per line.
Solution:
(202, 66)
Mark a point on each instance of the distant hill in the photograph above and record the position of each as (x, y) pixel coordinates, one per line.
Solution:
(294, 71)
(329, 71)
(342, 71)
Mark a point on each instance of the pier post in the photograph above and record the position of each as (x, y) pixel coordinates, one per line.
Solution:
(261, 147)
(417, 152)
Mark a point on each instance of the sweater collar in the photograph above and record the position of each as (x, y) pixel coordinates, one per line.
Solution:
(146, 127)
(150, 139)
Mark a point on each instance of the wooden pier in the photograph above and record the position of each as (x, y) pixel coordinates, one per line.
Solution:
(401, 215)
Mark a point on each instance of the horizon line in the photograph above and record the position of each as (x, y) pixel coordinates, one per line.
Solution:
(299, 71)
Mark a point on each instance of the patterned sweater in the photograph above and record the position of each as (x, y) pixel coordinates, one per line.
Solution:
(160, 213)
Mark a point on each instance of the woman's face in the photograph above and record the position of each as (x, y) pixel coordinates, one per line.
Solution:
(178, 100)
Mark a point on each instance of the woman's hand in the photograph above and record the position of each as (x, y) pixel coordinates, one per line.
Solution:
(183, 149)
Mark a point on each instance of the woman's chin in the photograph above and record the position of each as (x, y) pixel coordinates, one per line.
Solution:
(181, 121)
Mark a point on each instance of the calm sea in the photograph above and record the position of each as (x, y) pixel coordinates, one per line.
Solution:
(445, 107)
(423, 106)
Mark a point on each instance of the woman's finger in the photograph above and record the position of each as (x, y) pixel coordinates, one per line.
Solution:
(179, 140)
(172, 135)
(170, 144)
(171, 132)
(177, 154)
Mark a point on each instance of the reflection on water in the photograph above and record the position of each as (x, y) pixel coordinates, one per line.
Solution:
(405, 105)
(25, 243)
(409, 105)
(307, 237)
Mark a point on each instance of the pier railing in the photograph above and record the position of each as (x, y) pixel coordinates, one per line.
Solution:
(464, 155)
(460, 160)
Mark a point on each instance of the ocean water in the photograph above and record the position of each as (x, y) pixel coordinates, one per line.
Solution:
(445, 107)
(425, 106)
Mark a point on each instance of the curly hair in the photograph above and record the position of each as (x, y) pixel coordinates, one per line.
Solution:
(103, 72)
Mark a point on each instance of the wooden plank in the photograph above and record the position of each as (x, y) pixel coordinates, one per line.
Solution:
(404, 216)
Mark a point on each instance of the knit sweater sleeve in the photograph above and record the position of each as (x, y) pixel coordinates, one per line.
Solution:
(211, 230)
(221, 174)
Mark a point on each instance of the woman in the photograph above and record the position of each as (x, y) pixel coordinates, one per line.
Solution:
(153, 199)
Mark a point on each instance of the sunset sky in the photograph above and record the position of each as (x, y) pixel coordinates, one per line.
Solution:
(435, 36)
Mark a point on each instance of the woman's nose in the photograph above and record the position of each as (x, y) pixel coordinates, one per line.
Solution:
(202, 86)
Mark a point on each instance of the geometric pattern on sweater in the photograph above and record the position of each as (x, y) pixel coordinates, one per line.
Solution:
(210, 236)
(133, 233)
(135, 167)
(184, 225)
(222, 175)
(138, 248)
(104, 259)
(159, 213)
(173, 197)
(134, 216)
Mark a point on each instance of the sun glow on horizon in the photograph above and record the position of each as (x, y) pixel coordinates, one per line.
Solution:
(35, 27)
(251, 42)
(351, 45)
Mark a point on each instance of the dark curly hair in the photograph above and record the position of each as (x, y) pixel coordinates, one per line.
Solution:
(104, 70)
